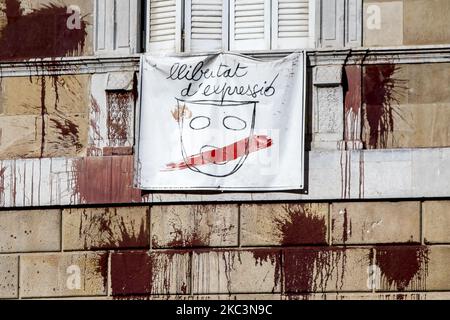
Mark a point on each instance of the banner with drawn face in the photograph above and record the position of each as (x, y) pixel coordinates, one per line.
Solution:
(221, 122)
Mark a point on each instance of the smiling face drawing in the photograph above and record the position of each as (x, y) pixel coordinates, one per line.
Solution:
(216, 137)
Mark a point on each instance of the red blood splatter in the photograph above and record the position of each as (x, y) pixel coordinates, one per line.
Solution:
(39, 34)
(381, 91)
(102, 268)
(69, 134)
(301, 227)
(141, 273)
(108, 230)
(310, 270)
(403, 267)
(272, 256)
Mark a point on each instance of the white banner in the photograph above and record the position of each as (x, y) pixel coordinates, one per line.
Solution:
(221, 122)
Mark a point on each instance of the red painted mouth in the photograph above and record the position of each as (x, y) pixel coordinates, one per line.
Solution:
(223, 155)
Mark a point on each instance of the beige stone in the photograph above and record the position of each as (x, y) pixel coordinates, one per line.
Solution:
(194, 226)
(436, 221)
(20, 137)
(389, 30)
(60, 275)
(325, 269)
(9, 277)
(375, 222)
(104, 228)
(228, 272)
(64, 102)
(30, 231)
(438, 278)
(284, 224)
(426, 22)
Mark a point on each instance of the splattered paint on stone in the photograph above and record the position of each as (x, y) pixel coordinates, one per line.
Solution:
(403, 268)
(40, 34)
(301, 226)
(381, 93)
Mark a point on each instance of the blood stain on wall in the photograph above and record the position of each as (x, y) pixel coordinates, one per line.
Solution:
(40, 34)
(403, 267)
(301, 226)
(109, 230)
(104, 180)
(381, 92)
(311, 270)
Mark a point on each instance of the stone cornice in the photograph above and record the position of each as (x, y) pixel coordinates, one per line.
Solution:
(83, 65)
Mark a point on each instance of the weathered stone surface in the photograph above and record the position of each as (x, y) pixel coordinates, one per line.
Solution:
(436, 221)
(9, 277)
(60, 275)
(406, 106)
(228, 272)
(141, 273)
(375, 222)
(194, 226)
(426, 22)
(383, 23)
(438, 278)
(324, 269)
(20, 136)
(30, 231)
(44, 116)
(105, 228)
(284, 224)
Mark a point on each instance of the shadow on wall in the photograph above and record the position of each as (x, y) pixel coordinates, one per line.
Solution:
(45, 32)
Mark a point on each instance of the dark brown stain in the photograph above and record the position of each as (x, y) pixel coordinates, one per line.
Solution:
(69, 134)
(119, 106)
(381, 92)
(402, 267)
(272, 256)
(2, 184)
(311, 270)
(346, 226)
(131, 273)
(102, 268)
(117, 151)
(301, 227)
(143, 273)
(40, 34)
(109, 230)
(105, 180)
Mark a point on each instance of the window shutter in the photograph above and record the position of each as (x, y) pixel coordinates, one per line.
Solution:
(116, 26)
(250, 24)
(353, 26)
(332, 23)
(292, 24)
(206, 25)
(164, 26)
(104, 24)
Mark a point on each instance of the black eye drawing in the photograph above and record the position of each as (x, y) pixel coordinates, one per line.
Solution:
(234, 123)
(200, 123)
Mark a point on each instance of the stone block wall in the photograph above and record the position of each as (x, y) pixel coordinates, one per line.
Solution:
(290, 250)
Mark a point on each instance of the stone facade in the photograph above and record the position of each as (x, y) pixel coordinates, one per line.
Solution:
(372, 223)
